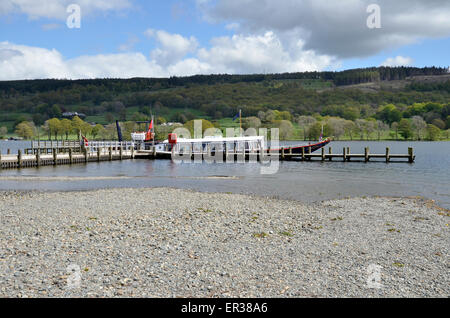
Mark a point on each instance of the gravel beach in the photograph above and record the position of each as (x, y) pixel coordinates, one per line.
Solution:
(175, 243)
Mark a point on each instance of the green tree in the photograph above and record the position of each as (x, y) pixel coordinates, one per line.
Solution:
(337, 125)
(97, 130)
(39, 119)
(315, 130)
(77, 124)
(433, 132)
(55, 111)
(389, 114)
(404, 128)
(25, 130)
(251, 122)
(419, 125)
(350, 128)
(86, 129)
(381, 127)
(305, 122)
(54, 127)
(394, 127)
(66, 127)
(205, 125)
(3, 132)
(161, 120)
(286, 129)
(439, 123)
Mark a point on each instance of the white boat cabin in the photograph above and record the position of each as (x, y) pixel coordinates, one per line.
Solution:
(213, 143)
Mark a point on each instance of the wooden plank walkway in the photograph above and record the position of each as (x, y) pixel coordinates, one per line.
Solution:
(25, 161)
(286, 154)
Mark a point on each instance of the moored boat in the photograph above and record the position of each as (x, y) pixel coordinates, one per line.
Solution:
(236, 145)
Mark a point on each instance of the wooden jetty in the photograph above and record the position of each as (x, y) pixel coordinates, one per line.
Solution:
(347, 156)
(285, 154)
(66, 153)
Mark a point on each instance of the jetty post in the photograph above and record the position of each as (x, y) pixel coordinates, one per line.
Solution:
(366, 154)
(70, 155)
(411, 155)
(387, 154)
(55, 157)
(38, 158)
(344, 154)
(19, 158)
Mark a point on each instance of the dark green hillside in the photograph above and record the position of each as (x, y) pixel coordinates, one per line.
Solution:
(350, 95)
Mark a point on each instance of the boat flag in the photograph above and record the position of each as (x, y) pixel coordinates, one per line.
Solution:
(150, 127)
(239, 115)
(85, 140)
(150, 130)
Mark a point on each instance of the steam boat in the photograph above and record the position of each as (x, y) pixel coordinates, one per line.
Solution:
(214, 144)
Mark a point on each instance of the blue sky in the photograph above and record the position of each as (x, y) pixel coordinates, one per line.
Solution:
(127, 38)
(105, 32)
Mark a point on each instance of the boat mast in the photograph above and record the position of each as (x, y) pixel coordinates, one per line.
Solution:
(240, 122)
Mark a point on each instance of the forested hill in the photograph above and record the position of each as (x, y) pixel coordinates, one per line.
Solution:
(348, 77)
(216, 97)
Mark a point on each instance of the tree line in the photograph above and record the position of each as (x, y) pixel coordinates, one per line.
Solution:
(214, 97)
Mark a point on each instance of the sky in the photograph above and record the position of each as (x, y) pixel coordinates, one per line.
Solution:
(78, 39)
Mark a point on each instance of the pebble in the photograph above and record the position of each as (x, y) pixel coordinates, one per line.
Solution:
(178, 243)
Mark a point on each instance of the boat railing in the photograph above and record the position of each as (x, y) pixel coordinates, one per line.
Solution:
(93, 146)
(231, 147)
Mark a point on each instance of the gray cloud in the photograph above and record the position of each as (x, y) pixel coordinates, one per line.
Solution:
(336, 28)
(6, 54)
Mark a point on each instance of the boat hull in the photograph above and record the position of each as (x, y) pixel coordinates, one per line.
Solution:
(291, 152)
(298, 150)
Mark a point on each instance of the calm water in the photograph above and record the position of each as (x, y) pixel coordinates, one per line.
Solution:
(429, 176)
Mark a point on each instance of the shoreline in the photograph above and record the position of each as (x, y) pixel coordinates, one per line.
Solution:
(426, 200)
(163, 242)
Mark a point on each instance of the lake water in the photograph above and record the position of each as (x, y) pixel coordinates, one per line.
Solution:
(429, 176)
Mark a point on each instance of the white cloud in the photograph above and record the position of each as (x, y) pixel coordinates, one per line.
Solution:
(336, 28)
(175, 55)
(171, 47)
(25, 62)
(398, 61)
(30, 62)
(56, 9)
(258, 54)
